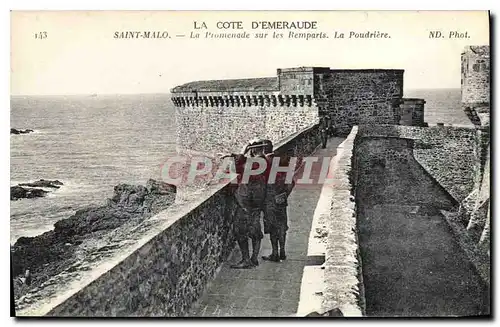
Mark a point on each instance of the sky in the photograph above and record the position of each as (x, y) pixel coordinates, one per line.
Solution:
(78, 53)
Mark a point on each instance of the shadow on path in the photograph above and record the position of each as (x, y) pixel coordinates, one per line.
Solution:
(412, 266)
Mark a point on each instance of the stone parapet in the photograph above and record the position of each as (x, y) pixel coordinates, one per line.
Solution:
(447, 153)
(343, 269)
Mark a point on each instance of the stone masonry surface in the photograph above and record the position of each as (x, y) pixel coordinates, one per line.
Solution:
(412, 262)
(447, 153)
(476, 84)
(227, 129)
(412, 112)
(343, 272)
(352, 97)
(403, 182)
(476, 75)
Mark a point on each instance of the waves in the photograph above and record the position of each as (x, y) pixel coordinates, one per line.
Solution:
(89, 144)
(441, 106)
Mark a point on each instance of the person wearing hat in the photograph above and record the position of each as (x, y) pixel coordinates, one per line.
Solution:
(250, 198)
(275, 212)
(324, 131)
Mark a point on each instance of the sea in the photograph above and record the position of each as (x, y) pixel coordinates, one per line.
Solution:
(93, 142)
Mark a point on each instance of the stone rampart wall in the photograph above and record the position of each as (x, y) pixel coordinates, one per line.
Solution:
(387, 173)
(221, 128)
(447, 153)
(360, 97)
(220, 116)
(456, 158)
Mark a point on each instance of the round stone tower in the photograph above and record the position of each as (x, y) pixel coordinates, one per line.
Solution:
(476, 84)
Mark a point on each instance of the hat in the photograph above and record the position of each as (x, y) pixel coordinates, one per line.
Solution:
(258, 143)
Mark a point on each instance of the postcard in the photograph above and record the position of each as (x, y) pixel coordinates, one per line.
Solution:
(250, 164)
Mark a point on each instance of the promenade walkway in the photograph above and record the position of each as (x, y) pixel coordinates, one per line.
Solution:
(271, 289)
(413, 267)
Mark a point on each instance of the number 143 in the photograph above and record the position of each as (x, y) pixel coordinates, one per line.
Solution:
(41, 35)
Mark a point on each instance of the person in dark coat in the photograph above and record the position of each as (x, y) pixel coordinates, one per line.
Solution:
(323, 132)
(275, 210)
(250, 203)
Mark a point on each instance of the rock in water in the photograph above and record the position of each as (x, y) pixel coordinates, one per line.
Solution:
(20, 131)
(18, 192)
(153, 198)
(44, 183)
(160, 195)
(31, 191)
(160, 187)
(129, 203)
(330, 313)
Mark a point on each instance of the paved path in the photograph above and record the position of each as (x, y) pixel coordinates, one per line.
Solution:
(412, 266)
(271, 289)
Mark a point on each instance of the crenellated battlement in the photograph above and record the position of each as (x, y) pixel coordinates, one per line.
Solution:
(244, 100)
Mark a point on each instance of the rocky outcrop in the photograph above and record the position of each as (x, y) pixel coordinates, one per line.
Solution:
(54, 251)
(18, 192)
(20, 131)
(30, 190)
(43, 183)
(129, 202)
